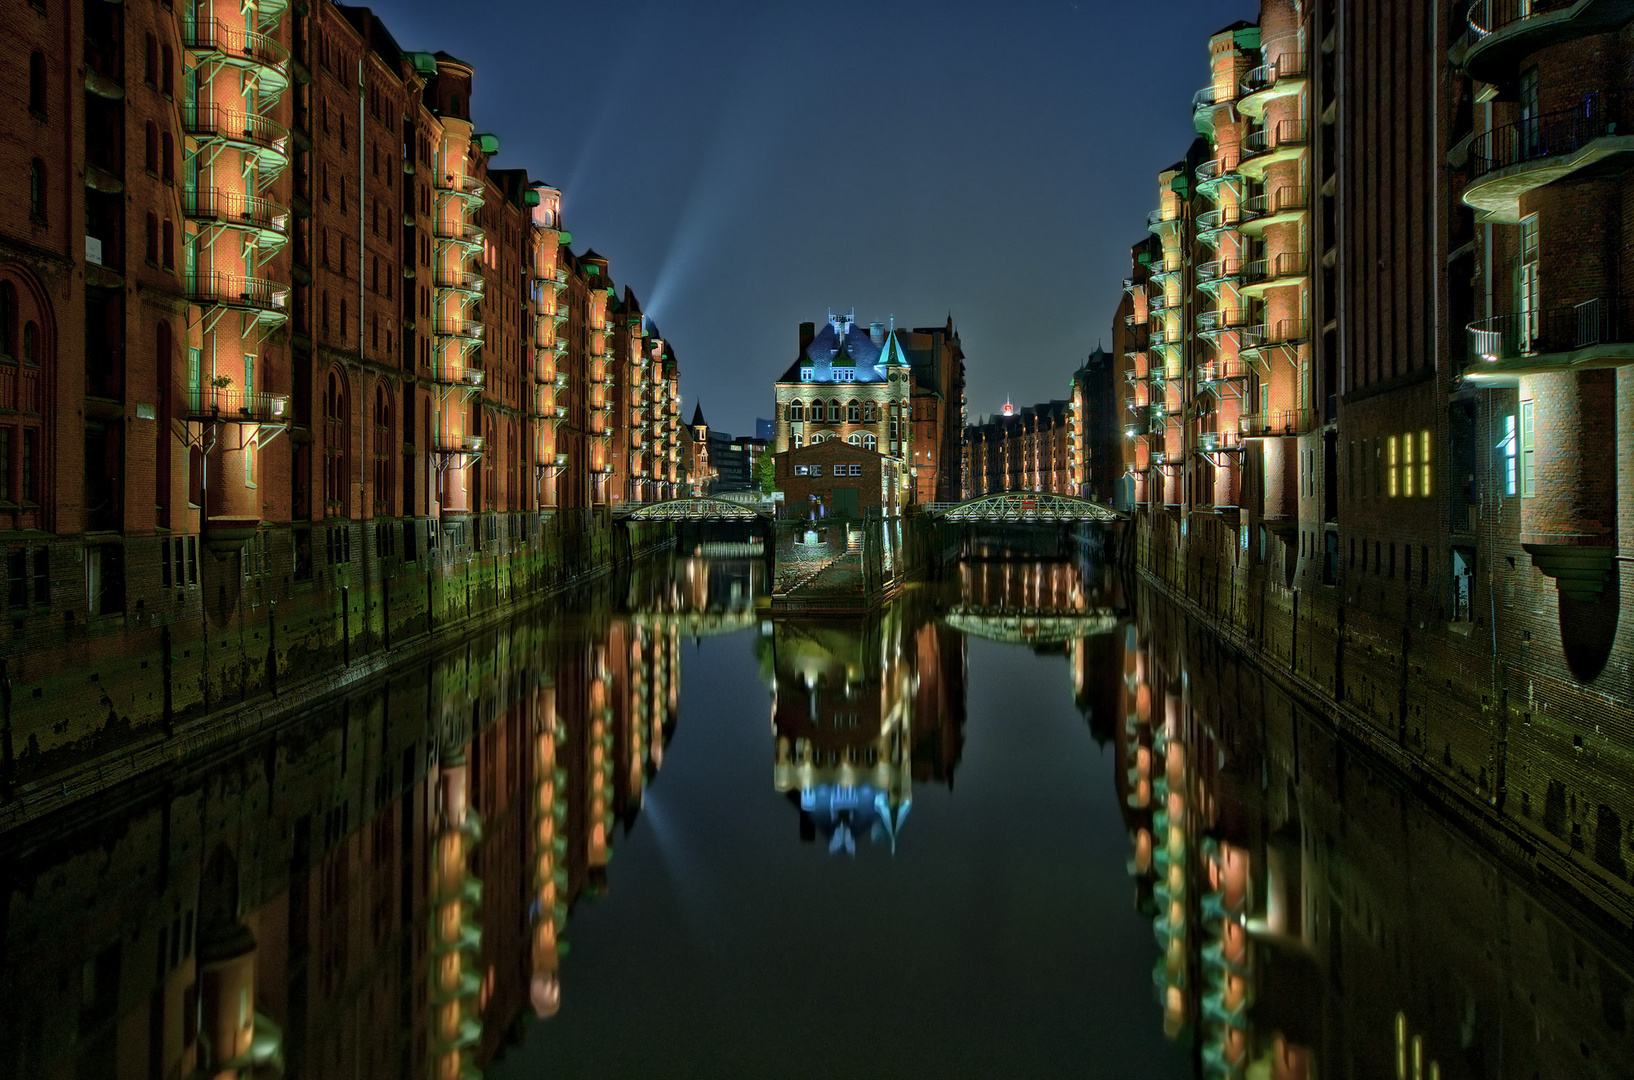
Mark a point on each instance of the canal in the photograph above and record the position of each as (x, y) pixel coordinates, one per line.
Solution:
(1024, 821)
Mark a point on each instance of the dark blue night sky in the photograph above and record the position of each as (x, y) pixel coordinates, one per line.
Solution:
(746, 166)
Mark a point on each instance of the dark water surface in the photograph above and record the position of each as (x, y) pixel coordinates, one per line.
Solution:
(1022, 823)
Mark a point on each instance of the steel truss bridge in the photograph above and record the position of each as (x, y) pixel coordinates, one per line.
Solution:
(1019, 626)
(696, 509)
(1016, 507)
(697, 624)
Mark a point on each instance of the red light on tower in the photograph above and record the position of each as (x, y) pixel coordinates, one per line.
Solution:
(1009, 407)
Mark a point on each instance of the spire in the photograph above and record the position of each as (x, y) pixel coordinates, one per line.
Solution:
(698, 415)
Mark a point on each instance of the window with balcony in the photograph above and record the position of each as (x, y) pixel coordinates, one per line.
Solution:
(1528, 464)
(1528, 300)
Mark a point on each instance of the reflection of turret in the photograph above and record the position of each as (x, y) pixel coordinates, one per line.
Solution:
(860, 710)
(456, 1020)
(235, 1041)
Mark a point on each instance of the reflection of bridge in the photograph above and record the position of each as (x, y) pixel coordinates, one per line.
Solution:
(1010, 507)
(1029, 627)
(698, 509)
(696, 624)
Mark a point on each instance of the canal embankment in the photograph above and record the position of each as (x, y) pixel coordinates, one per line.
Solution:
(261, 634)
(1538, 769)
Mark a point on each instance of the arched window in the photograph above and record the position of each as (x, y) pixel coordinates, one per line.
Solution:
(854, 439)
(383, 481)
(36, 190)
(31, 344)
(335, 439)
(36, 83)
(150, 144)
(853, 412)
(869, 415)
(25, 405)
(170, 245)
(797, 410)
(167, 159)
(165, 69)
(869, 442)
(152, 237)
(150, 60)
(834, 411)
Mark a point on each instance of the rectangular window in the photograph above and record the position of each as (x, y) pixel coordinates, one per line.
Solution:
(1527, 294)
(1528, 464)
(1511, 448)
(1424, 462)
(1394, 463)
(1407, 465)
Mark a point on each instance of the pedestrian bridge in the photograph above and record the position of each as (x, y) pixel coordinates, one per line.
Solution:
(695, 509)
(1008, 507)
(1029, 627)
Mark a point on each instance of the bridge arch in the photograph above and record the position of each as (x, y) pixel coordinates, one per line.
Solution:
(1018, 506)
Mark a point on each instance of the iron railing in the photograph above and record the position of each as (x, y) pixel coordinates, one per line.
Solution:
(234, 290)
(236, 403)
(213, 35)
(1289, 65)
(1287, 264)
(1285, 199)
(1601, 321)
(1489, 16)
(1285, 133)
(1551, 135)
(1276, 422)
(214, 122)
(214, 204)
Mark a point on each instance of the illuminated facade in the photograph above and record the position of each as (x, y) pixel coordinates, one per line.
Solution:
(295, 345)
(897, 392)
(1372, 362)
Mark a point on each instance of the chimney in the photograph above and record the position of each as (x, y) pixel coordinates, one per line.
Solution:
(808, 331)
(876, 333)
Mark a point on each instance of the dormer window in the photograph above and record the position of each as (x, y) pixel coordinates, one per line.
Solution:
(805, 374)
(845, 374)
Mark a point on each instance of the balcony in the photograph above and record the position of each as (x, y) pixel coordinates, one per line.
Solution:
(463, 281)
(560, 381)
(268, 220)
(1267, 146)
(469, 331)
(214, 41)
(1214, 372)
(1509, 161)
(468, 378)
(461, 445)
(235, 405)
(1211, 174)
(1212, 224)
(464, 233)
(1211, 324)
(1286, 332)
(1159, 302)
(1597, 333)
(468, 188)
(1203, 105)
(1211, 275)
(1266, 83)
(210, 289)
(1277, 423)
(1163, 218)
(1503, 33)
(1288, 268)
(262, 136)
(1277, 207)
(1219, 442)
(1134, 319)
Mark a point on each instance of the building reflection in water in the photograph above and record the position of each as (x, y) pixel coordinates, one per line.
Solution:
(385, 886)
(1313, 916)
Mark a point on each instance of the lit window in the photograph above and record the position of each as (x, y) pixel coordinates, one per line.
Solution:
(1528, 464)
(1394, 463)
(1511, 448)
(1407, 465)
(1424, 462)
(805, 374)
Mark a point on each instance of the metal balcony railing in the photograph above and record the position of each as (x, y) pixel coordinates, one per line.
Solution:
(237, 404)
(1219, 269)
(234, 208)
(1283, 332)
(215, 36)
(1213, 371)
(1276, 423)
(1489, 16)
(215, 122)
(458, 375)
(1286, 133)
(1161, 216)
(1286, 265)
(469, 329)
(233, 290)
(462, 280)
(460, 185)
(1285, 199)
(464, 232)
(1288, 66)
(1601, 321)
(1554, 134)
(457, 444)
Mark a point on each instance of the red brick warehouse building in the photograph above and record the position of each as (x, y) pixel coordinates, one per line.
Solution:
(837, 479)
(283, 354)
